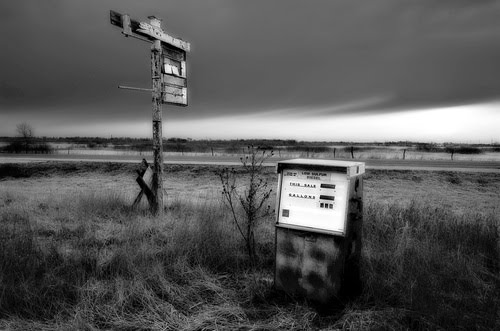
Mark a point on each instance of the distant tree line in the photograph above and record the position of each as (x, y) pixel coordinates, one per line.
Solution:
(25, 142)
(449, 148)
(19, 147)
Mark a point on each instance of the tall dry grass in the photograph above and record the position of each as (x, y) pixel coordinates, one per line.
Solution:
(90, 262)
(435, 268)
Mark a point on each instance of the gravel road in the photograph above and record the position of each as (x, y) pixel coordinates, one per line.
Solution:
(469, 166)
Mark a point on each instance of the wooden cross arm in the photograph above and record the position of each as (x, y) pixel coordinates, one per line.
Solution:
(142, 30)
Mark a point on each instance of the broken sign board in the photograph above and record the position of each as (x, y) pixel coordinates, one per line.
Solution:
(175, 95)
(174, 82)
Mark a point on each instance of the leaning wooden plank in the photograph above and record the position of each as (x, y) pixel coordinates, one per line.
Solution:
(146, 174)
(148, 177)
(138, 199)
(145, 188)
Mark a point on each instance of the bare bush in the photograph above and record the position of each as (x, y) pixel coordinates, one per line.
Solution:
(26, 132)
(251, 198)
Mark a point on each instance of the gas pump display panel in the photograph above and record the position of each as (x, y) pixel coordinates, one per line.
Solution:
(313, 199)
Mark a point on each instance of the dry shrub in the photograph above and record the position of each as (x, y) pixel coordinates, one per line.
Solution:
(454, 178)
(248, 202)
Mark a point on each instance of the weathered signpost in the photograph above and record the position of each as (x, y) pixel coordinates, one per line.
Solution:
(169, 85)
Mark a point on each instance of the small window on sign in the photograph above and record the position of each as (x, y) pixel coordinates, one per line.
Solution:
(171, 70)
(285, 213)
(172, 67)
(332, 186)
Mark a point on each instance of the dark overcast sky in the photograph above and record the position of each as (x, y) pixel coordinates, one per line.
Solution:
(61, 61)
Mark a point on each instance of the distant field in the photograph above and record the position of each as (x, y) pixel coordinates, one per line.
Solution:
(281, 148)
(366, 153)
(74, 255)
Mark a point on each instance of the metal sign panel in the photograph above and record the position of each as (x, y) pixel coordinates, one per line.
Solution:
(313, 199)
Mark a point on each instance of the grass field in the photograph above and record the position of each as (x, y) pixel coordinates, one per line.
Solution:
(74, 255)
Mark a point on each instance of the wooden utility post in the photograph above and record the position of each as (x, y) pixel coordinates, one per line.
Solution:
(168, 74)
(157, 188)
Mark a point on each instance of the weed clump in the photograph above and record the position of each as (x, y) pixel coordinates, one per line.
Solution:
(455, 179)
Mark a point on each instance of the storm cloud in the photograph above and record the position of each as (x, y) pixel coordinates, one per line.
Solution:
(64, 59)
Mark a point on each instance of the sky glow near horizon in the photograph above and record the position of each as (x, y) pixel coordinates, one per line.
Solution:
(465, 124)
(369, 70)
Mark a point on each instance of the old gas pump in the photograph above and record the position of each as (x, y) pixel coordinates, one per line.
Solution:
(318, 227)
